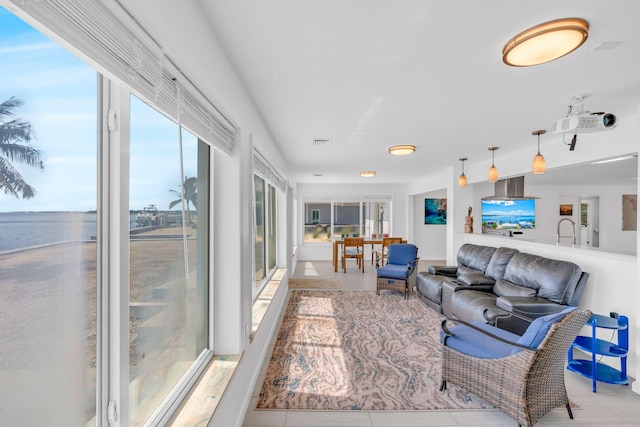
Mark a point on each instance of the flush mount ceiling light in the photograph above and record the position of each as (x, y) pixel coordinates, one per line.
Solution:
(367, 174)
(462, 181)
(492, 176)
(538, 165)
(402, 150)
(545, 42)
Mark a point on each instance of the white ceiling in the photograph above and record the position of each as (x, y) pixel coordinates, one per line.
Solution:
(368, 74)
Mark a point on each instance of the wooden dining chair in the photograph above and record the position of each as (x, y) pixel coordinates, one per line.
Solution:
(384, 250)
(353, 247)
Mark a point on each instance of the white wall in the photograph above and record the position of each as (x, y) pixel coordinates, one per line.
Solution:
(431, 239)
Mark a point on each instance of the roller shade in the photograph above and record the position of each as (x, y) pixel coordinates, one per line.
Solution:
(263, 168)
(107, 36)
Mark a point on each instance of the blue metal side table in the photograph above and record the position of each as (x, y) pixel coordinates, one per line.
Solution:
(592, 368)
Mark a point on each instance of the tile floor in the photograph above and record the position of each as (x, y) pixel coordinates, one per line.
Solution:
(611, 406)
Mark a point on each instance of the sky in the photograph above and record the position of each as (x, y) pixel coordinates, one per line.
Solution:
(508, 207)
(59, 92)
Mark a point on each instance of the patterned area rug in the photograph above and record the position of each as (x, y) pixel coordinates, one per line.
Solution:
(354, 350)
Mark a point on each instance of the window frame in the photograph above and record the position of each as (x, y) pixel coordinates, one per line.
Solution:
(269, 218)
(113, 190)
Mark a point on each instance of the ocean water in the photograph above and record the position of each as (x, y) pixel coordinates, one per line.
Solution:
(24, 229)
(526, 221)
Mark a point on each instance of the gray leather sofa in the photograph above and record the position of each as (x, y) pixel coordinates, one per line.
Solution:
(501, 286)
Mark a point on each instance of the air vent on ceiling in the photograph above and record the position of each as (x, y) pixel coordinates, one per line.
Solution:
(606, 46)
(321, 142)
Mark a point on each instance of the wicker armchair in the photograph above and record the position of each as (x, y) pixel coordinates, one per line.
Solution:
(521, 375)
(399, 274)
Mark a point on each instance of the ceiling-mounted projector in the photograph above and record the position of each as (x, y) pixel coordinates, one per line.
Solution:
(584, 122)
(580, 121)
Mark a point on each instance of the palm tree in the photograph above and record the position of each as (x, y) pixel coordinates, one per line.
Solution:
(190, 193)
(15, 146)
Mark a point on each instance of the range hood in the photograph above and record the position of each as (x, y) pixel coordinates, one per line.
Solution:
(509, 189)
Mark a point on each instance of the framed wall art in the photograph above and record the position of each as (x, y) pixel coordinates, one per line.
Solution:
(566, 210)
(435, 211)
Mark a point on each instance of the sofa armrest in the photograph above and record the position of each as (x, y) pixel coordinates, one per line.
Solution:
(443, 270)
(450, 286)
(529, 307)
(480, 288)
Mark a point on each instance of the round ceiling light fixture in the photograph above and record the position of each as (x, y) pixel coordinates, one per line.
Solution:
(402, 150)
(545, 42)
(368, 174)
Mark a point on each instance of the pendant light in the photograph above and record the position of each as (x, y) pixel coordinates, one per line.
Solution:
(493, 171)
(462, 181)
(538, 165)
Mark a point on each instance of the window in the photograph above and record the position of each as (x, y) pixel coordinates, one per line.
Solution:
(340, 218)
(48, 266)
(272, 227)
(168, 256)
(259, 232)
(64, 235)
(265, 202)
(346, 219)
(317, 222)
(376, 217)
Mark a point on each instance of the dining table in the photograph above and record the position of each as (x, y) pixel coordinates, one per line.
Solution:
(338, 242)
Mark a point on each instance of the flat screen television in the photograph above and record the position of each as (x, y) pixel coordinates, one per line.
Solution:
(509, 214)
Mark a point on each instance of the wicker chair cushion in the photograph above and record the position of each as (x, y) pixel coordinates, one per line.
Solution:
(402, 253)
(476, 344)
(539, 328)
(393, 271)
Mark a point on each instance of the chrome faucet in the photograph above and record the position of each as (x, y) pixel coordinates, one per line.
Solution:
(558, 236)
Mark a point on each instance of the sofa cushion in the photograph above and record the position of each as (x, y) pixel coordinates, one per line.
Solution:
(503, 288)
(475, 279)
(466, 270)
(553, 279)
(499, 261)
(474, 256)
(535, 333)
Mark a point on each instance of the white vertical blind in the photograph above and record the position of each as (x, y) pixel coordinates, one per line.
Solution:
(109, 37)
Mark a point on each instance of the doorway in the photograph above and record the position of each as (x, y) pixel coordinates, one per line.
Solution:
(590, 221)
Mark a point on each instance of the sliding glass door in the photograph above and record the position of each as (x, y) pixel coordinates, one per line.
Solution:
(168, 247)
